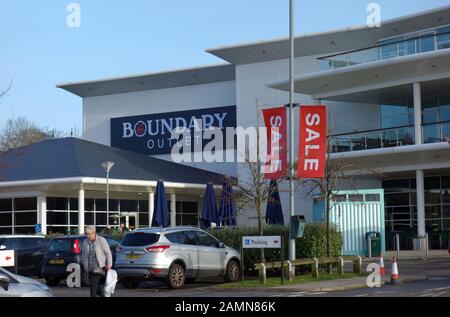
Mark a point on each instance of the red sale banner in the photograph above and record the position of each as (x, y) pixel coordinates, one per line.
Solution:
(313, 142)
(276, 124)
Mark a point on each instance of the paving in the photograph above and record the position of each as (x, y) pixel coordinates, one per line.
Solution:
(422, 278)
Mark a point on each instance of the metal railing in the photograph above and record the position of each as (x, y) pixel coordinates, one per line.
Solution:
(383, 51)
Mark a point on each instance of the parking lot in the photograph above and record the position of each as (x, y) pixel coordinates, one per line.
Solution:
(145, 289)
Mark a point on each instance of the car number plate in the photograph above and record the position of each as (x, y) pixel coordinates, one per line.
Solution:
(57, 261)
(134, 256)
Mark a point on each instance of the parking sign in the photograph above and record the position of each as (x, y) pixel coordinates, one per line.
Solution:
(257, 242)
(7, 258)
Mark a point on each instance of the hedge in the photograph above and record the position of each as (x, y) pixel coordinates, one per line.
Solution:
(313, 243)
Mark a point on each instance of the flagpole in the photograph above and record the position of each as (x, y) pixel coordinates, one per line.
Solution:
(292, 132)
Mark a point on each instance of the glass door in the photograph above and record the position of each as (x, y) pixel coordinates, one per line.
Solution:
(130, 220)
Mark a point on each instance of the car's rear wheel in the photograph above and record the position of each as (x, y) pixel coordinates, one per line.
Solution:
(176, 277)
(130, 283)
(51, 281)
(233, 272)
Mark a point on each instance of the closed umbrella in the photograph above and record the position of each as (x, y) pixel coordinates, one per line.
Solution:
(274, 212)
(227, 206)
(161, 210)
(209, 213)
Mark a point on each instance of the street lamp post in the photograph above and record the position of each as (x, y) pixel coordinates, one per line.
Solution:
(292, 130)
(108, 166)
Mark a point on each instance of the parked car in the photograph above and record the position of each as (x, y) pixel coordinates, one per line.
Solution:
(66, 250)
(19, 286)
(175, 255)
(30, 252)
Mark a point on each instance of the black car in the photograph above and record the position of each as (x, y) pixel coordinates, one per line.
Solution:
(63, 251)
(30, 252)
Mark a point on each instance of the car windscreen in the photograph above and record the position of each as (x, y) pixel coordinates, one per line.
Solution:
(139, 239)
(60, 245)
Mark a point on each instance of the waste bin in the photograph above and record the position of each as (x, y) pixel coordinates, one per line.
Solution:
(375, 243)
(298, 226)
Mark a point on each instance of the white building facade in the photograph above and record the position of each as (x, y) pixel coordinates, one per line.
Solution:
(387, 90)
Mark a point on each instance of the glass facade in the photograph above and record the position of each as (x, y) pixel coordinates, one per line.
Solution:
(62, 213)
(397, 126)
(401, 211)
(18, 215)
(409, 44)
(187, 214)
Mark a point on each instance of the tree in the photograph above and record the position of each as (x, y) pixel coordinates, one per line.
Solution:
(335, 178)
(21, 132)
(254, 188)
(4, 92)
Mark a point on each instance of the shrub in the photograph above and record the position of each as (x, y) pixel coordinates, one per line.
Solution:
(313, 244)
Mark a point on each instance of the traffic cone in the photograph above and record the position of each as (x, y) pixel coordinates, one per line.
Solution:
(395, 277)
(382, 271)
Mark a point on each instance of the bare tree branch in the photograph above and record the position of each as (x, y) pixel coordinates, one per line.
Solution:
(4, 92)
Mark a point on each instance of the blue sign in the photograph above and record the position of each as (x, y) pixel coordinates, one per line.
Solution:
(38, 228)
(152, 134)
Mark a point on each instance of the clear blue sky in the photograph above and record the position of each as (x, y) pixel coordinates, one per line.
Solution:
(121, 37)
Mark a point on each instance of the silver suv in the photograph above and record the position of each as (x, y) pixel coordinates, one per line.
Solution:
(177, 255)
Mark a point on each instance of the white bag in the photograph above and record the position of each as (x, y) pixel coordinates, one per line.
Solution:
(111, 281)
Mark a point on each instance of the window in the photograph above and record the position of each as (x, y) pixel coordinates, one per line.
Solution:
(100, 204)
(25, 204)
(74, 218)
(73, 204)
(25, 218)
(59, 230)
(143, 220)
(443, 40)
(89, 218)
(143, 206)
(60, 245)
(399, 199)
(187, 213)
(30, 243)
(339, 198)
(356, 198)
(54, 203)
(427, 42)
(100, 219)
(411, 47)
(444, 107)
(6, 219)
(372, 197)
(57, 218)
(5, 205)
(140, 239)
(89, 204)
(432, 212)
(24, 230)
(390, 47)
(430, 107)
(10, 244)
(397, 114)
(128, 205)
(205, 239)
(184, 237)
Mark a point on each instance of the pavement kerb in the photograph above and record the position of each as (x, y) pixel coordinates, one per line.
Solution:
(310, 288)
(367, 260)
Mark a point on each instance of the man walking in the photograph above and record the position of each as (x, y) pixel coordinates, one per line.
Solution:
(97, 260)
